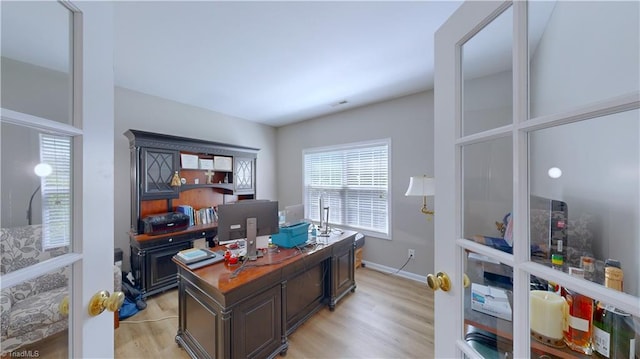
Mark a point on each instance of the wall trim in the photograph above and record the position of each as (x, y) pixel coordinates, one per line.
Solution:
(390, 270)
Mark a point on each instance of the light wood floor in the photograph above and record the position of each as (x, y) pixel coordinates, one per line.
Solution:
(386, 317)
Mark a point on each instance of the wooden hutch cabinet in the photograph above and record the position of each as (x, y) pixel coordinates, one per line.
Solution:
(210, 173)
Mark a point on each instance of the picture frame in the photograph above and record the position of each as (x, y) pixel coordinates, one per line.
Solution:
(189, 162)
(205, 164)
(222, 163)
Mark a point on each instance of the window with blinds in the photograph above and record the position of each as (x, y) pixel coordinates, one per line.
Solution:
(56, 191)
(354, 181)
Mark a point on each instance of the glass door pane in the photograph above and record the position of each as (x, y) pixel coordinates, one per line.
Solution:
(487, 85)
(34, 320)
(487, 192)
(37, 59)
(585, 196)
(581, 52)
(567, 323)
(487, 202)
(36, 182)
(488, 304)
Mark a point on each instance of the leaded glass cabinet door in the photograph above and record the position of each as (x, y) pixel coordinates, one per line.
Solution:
(537, 166)
(158, 168)
(244, 175)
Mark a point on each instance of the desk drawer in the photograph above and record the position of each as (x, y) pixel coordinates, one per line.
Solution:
(171, 239)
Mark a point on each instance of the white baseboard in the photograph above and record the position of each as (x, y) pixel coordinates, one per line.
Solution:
(390, 270)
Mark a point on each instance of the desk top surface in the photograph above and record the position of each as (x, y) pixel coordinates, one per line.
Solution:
(225, 277)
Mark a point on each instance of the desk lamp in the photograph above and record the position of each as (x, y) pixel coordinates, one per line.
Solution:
(422, 186)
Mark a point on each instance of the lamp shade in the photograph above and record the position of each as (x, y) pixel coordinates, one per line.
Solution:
(421, 186)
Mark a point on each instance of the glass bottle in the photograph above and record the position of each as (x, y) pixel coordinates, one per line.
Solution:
(577, 332)
(557, 262)
(588, 264)
(613, 333)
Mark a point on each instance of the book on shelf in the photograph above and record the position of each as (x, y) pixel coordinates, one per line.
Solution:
(203, 215)
(188, 210)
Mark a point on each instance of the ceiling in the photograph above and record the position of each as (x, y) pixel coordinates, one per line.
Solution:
(269, 62)
(277, 62)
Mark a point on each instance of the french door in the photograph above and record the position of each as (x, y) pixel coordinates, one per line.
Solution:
(56, 132)
(537, 166)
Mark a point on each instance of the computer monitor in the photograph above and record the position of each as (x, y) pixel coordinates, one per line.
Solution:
(246, 220)
(548, 228)
(293, 215)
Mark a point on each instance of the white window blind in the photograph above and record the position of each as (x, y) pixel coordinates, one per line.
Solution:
(56, 191)
(354, 180)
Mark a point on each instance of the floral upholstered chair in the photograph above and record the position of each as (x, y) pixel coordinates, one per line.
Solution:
(30, 310)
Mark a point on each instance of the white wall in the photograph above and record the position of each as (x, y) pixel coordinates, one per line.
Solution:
(35, 90)
(590, 51)
(135, 110)
(19, 154)
(408, 121)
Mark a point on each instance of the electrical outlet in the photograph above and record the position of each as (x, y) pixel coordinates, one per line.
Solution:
(412, 253)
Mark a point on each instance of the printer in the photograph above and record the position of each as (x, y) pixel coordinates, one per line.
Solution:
(165, 223)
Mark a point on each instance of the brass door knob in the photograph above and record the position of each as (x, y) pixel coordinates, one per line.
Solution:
(466, 282)
(103, 300)
(439, 281)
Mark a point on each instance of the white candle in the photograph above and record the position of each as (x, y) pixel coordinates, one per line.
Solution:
(546, 313)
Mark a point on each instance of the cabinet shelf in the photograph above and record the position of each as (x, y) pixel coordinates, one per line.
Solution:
(220, 179)
(203, 170)
(224, 186)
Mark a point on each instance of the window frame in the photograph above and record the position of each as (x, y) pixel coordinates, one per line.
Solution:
(343, 148)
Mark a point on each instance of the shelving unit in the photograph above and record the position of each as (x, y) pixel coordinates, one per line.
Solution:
(155, 158)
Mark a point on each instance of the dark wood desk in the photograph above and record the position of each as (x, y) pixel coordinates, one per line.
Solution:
(248, 313)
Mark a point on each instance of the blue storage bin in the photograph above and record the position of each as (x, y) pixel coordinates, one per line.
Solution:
(291, 236)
